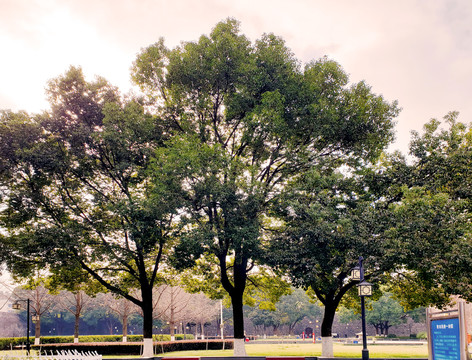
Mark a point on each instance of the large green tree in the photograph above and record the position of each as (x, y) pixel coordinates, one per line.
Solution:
(247, 118)
(329, 219)
(75, 190)
(382, 314)
(432, 221)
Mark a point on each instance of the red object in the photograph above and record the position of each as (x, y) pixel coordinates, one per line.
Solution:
(314, 339)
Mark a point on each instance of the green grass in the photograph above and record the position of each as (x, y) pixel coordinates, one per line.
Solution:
(309, 349)
(340, 350)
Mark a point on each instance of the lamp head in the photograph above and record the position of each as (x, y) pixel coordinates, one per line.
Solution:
(356, 273)
(365, 288)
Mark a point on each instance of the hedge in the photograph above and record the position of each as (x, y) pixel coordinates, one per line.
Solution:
(7, 343)
(107, 348)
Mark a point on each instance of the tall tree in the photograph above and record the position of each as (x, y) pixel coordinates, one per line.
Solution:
(75, 190)
(328, 219)
(246, 118)
(432, 221)
(77, 289)
(76, 303)
(41, 302)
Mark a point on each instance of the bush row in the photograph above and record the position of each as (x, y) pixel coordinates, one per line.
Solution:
(136, 348)
(12, 342)
(420, 335)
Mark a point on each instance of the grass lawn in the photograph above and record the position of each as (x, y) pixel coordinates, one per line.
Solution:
(340, 350)
(309, 349)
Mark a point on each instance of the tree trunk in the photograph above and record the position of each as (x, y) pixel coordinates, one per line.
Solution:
(377, 328)
(238, 319)
(328, 318)
(125, 327)
(147, 322)
(238, 316)
(37, 332)
(330, 301)
(172, 316)
(326, 330)
(236, 292)
(76, 328)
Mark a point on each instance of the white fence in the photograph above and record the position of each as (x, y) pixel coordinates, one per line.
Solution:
(59, 355)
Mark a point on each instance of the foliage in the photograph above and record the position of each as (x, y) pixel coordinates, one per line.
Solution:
(288, 311)
(422, 335)
(329, 219)
(432, 231)
(295, 307)
(385, 312)
(247, 118)
(75, 190)
(101, 185)
(8, 343)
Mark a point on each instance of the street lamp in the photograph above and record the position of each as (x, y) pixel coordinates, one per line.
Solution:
(16, 306)
(364, 289)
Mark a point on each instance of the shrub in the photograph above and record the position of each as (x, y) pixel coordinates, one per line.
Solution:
(8, 343)
(136, 348)
(56, 339)
(422, 335)
(104, 348)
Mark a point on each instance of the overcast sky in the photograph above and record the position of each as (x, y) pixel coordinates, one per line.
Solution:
(416, 52)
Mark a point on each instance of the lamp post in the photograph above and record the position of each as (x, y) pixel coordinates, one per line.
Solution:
(16, 305)
(365, 289)
(222, 325)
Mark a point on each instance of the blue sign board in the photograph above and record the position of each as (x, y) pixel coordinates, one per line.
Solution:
(445, 338)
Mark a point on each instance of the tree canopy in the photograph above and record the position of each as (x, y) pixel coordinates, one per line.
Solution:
(75, 189)
(432, 220)
(247, 118)
(330, 218)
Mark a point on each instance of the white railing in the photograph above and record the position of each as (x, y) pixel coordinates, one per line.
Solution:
(59, 355)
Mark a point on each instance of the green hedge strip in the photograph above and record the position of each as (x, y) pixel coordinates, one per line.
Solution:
(12, 342)
(136, 348)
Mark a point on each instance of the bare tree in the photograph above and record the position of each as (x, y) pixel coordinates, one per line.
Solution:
(122, 307)
(173, 303)
(76, 303)
(202, 310)
(41, 302)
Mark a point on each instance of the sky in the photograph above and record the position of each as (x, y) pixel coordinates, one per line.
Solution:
(416, 52)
